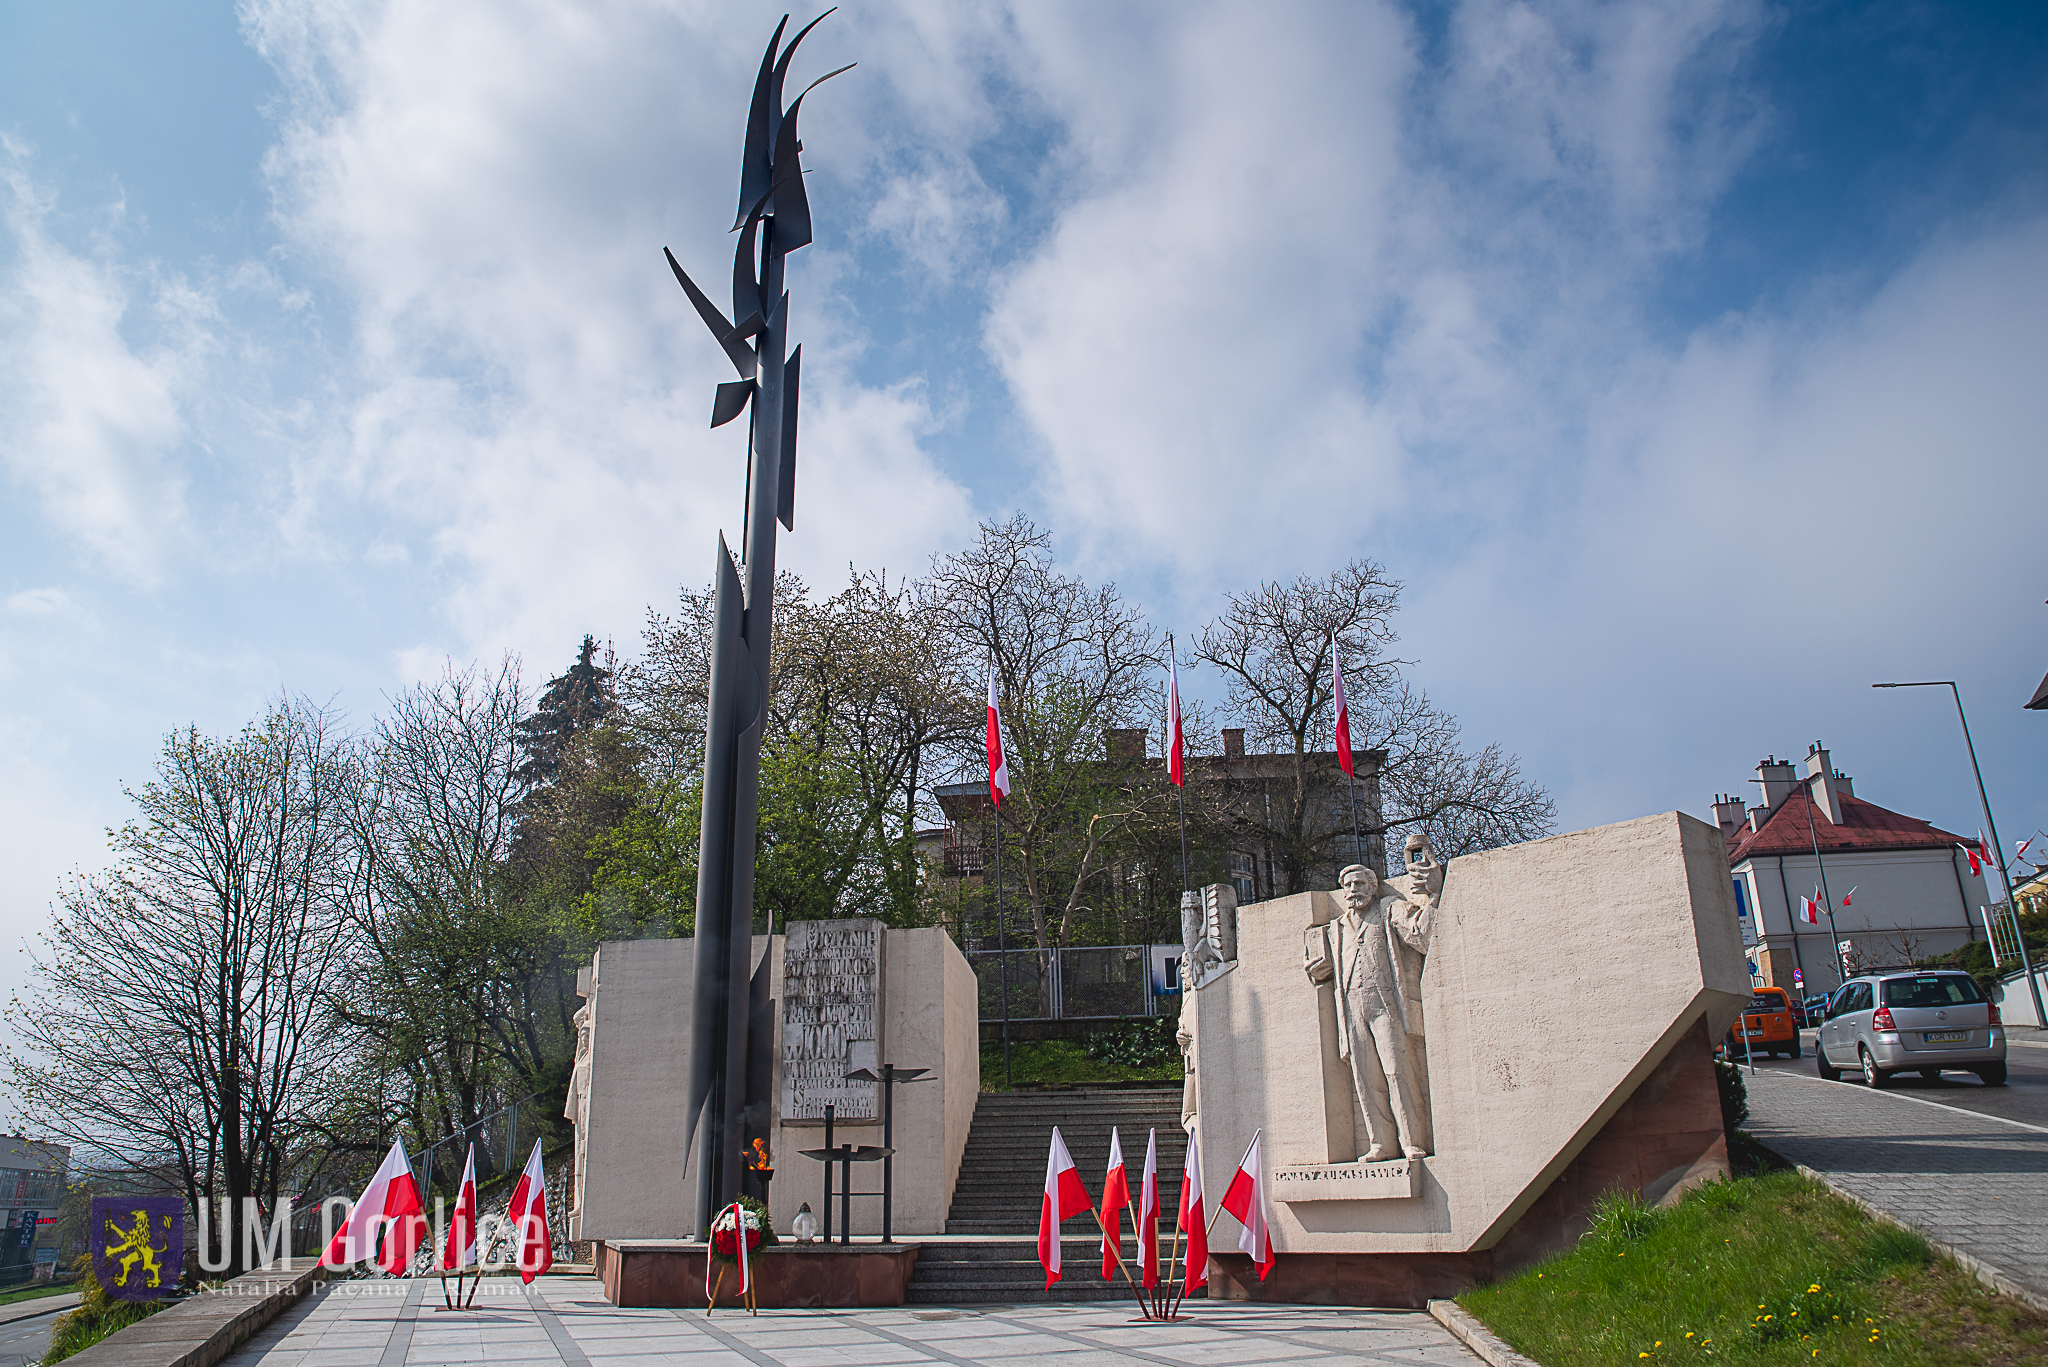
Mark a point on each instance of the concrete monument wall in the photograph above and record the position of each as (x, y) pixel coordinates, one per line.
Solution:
(633, 1177)
(1543, 1022)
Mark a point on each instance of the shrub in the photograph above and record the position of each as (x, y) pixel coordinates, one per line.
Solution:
(1136, 1044)
(98, 1315)
(1734, 1097)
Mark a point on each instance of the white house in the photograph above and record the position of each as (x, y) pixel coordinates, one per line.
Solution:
(1908, 887)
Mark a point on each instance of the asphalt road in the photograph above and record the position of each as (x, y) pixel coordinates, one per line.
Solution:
(2024, 1097)
(25, 1341)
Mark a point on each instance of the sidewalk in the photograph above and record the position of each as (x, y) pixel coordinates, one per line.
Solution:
(1973, 1182)
(566, 1320)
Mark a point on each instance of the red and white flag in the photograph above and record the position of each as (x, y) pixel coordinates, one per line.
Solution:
(1809, 908)
(2022, 847)
(1847, 895)
(460, 1250)
(1064, 1197)
(529, 1215)
(391, 1202)
(1193, 1222)
(1983, 850)
(998, 767)
(1976, 866)
(1148, 1213)
(1173, 745)
(1343, 713)
(1116, 1198)
(1245, 1198)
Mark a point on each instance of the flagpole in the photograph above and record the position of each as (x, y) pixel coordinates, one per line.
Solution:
(1003, 949)
(1172, 730)
(1350, 771)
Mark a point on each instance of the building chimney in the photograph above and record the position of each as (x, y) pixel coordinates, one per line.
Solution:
(1776, 777)
(1127, 742)
(1820, 783)
(1844, 785)
(1728, 815)
(1233, 742)
(1758, 817)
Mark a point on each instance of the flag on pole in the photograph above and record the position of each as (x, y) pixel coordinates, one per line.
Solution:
(998, 767)
(1116, 1198)
(1064, 1197)
(1173, 745)
(391, 1199)
(529, 1215)
(460, 1250)
(1809, 907)
(1847, 895)
(1983, 850)
(1343, 713)
(2023, 847)
(1193, 1223)
(1148, 1214)
(1976, 867)
(1245, 1198)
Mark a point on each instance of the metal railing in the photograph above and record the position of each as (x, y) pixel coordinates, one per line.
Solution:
(1093, 983)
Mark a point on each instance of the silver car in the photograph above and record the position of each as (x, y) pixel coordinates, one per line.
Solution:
(1902, 1022)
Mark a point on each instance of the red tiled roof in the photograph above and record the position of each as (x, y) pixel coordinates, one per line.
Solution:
(1865, 826)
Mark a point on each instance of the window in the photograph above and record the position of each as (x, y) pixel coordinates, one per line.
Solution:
(1943, 989)
(1241, 877)
(1767, 1001)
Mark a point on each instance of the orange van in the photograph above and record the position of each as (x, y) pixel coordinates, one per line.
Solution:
(1768, 1023)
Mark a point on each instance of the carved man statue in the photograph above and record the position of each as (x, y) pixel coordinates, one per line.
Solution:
(1372, 955)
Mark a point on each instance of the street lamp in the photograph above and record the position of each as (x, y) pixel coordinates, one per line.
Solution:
(2026, 964)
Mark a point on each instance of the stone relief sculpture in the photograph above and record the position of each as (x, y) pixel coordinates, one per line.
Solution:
(1208, 931)
(577, 1109)
(1372, 957)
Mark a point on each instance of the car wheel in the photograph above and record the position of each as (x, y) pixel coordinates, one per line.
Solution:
(1873, 1076)
(1993, 1074)
(1795, 1049)
(1828, 1072)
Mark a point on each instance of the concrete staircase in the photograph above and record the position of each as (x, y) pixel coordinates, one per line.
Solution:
(1002, 1176)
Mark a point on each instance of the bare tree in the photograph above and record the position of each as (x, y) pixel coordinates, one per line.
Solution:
(176, 1021)
(1274, 646)
(1072, 663)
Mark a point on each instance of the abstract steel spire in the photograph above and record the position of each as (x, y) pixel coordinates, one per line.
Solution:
(774, 220)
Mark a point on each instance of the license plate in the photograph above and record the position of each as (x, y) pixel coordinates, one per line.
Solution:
(1944, 1036)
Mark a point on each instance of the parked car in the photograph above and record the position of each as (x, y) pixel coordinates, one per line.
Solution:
(1924, 1022)
(1812, 1010)
(1767, 1021)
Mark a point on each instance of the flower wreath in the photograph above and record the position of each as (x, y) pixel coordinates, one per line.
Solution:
(725, 1230)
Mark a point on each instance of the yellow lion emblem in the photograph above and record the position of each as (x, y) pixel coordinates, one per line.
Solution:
(134, 1247)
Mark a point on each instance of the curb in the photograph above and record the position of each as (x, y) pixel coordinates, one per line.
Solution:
(199, 1332)
(35, 1309)
(1476, 1336)
(1990, 1277)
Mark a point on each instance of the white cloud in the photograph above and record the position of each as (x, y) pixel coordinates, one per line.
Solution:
(89, 420)
(48, 601)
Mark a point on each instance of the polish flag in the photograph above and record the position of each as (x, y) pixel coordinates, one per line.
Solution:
(460, 1251)
(1343, 713)
(1976, 867)
(2023, 847)
(1847, 895)
(998, 767)
(1809, 908)
(1983, 850)
(529, 1215)
(1173, 745)
(1245, 1198)
(1193, 1223)
(392, 1199)
(1064, 1197)
(1148, 1213)
(1116, 1198)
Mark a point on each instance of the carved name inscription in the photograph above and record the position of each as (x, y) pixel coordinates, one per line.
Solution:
(1346, 1181)
(831, 1017)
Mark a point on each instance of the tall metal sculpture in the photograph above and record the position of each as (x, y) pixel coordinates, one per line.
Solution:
(774, 219)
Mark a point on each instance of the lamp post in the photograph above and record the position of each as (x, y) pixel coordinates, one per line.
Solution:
(2026, 964)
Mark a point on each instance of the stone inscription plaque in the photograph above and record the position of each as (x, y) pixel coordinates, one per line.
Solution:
(831, 1018)
(1346, 1181)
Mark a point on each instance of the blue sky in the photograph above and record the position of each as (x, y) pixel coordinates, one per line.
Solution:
(1683, 360)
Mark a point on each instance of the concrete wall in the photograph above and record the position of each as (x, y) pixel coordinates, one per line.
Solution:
(1926, 898)
(929, 1021)
(638, 1180)
(1563, 973)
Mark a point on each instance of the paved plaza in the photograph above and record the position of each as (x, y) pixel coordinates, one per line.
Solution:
(1974, 1182)
(567, 1320)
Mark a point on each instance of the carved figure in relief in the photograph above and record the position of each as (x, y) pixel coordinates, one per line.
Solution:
(1372, 955)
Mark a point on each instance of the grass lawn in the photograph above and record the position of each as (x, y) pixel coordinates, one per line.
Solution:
(1770, 1269)
(32, 1293)
(1053, 1061)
